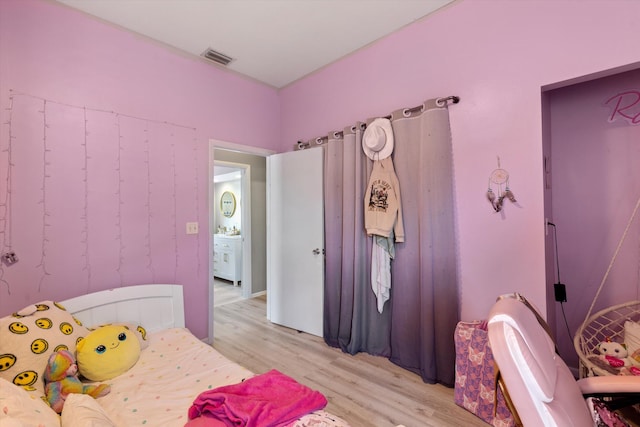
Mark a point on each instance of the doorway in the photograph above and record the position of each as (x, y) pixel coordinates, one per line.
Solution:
(252, 161)
(231, 216)
(591, 186)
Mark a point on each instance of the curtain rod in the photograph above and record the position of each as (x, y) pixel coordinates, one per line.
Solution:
(453, 98)
(301, 145)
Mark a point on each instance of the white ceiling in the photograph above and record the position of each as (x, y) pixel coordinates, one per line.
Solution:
(273, 41)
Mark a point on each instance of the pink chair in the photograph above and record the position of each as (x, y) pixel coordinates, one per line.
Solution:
(541, 386)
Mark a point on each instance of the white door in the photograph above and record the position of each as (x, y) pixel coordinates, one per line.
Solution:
(295, 240)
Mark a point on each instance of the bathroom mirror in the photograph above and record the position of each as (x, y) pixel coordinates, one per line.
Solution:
(228, 204)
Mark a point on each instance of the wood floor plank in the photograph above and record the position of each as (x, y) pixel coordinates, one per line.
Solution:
(225, 293)
(365, 390)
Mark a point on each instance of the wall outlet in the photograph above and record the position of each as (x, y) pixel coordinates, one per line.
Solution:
(192, 228)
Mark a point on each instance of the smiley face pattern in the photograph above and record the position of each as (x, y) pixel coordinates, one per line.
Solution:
(29, 336)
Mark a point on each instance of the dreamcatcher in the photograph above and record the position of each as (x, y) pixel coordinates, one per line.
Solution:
(500, 179)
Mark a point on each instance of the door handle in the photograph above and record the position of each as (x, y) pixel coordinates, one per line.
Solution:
(317, 251)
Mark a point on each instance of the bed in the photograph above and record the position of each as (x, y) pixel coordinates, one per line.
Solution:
(172, 371)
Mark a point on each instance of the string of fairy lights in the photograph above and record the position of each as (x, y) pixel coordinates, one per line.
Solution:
(174, 215)
(86, 240)
(194, 144)
(120, 202)
(45, 211)
(5, 212)
(85, 208)
(147, 203)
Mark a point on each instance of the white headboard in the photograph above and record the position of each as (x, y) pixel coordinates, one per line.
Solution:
(154, 307)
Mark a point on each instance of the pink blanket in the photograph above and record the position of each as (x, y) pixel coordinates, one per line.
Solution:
(270, 399)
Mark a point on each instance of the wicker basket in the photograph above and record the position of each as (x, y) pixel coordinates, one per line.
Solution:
(607, 323)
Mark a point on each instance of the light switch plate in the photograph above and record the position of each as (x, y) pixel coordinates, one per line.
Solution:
(192, 228)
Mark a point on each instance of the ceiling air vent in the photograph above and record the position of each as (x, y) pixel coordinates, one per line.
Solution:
(217, 57)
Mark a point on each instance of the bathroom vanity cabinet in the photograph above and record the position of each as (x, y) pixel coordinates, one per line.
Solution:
(227, 257)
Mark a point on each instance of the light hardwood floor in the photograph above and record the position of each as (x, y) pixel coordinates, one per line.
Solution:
(225, 293)
(365, 390)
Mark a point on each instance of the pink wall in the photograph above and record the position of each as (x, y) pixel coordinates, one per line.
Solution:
(496, 55)
(104, 203)
(595, 185)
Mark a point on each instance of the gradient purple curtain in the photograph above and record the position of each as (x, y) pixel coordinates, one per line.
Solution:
(351, 319)
(415, 329)
(424, 302)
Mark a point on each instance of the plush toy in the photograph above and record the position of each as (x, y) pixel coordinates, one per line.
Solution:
(61, 379)
(631, 370)
(614, 353)
(107, 352)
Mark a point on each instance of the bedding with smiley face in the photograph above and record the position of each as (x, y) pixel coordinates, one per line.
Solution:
(157, 390)
(29, 336)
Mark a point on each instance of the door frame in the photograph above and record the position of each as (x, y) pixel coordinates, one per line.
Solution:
(246, 242)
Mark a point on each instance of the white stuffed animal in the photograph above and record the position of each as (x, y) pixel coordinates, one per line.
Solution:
(614, 353)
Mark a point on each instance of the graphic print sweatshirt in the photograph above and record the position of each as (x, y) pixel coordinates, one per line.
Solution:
(382, 204)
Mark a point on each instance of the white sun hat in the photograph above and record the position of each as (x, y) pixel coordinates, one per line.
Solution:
(377, 140)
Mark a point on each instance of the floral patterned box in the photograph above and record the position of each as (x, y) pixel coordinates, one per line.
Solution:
(475, 388)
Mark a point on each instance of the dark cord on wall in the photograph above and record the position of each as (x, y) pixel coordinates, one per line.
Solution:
(559, 288)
